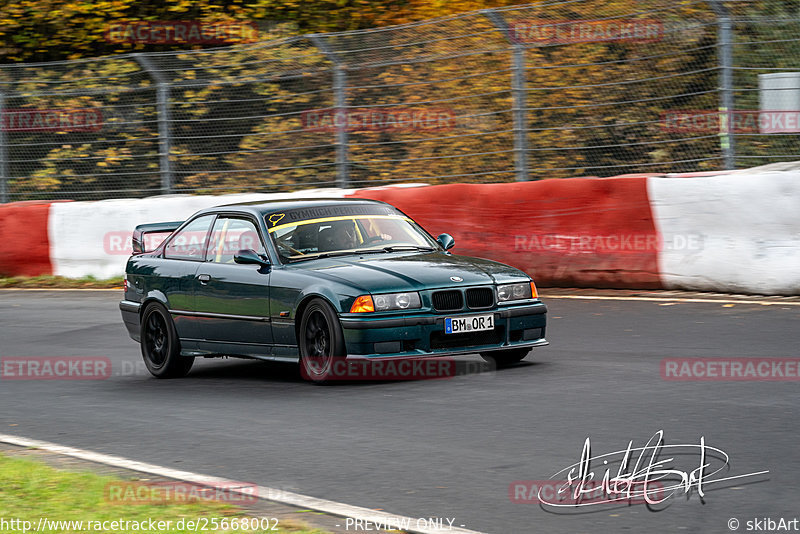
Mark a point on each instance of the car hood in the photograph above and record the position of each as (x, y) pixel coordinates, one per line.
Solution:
(411, 271)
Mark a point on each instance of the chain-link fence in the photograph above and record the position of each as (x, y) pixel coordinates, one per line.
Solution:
(556, 89)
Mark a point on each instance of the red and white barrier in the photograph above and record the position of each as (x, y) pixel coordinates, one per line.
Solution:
(735, 232)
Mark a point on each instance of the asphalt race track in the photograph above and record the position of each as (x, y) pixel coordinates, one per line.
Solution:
(437, 448)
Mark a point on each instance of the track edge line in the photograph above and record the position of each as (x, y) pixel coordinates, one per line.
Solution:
(264, 492)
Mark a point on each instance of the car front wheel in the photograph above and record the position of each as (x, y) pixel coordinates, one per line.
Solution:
(161, 348)
(321, 341)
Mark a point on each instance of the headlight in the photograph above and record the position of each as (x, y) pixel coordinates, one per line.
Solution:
(510, 292)
(396, 301)
(385, 302)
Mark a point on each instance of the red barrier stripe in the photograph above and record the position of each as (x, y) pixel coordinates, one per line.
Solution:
(24, 244)
(574, 232)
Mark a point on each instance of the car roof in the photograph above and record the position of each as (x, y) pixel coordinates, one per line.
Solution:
(265, 207)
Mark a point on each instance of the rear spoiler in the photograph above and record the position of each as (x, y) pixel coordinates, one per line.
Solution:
(137, 240)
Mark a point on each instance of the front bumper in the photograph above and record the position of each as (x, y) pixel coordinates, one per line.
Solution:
(422, 334)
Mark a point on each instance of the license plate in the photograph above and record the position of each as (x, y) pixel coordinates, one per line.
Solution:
(470, 323)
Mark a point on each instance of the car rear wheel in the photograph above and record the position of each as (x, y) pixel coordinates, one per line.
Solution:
(321, 341)
(504, 358)
(161, 348)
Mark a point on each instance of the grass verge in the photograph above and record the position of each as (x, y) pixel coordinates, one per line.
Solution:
(32, 490)
(59, 282)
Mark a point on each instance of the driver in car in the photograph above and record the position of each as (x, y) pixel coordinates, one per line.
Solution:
(343, 235)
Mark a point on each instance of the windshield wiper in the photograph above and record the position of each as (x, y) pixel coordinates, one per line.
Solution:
(370, 250)
(396, 248)
(391, 248)
(324, 255)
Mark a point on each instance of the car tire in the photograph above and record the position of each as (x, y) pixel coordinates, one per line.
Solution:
(320, 340)
(504, 358)
(161, 348)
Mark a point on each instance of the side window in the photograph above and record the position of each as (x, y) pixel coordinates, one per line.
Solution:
(230, 235)
(189, 243)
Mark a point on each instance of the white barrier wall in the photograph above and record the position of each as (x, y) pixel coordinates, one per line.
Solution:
(735, 233)
(93, 238)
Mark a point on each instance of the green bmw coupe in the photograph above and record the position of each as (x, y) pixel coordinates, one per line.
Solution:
(312, 281)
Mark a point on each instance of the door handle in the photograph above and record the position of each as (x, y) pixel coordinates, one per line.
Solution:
(204, 278)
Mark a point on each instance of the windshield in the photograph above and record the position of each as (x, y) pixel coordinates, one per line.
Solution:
(346, 234)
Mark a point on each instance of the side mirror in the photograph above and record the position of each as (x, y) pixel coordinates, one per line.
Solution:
(446, 240)
(250, 257)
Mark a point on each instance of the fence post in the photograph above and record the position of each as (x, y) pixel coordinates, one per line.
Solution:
(340, 90)
(727, 138)
(519, 109)
(164, 130)
(3, 153)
